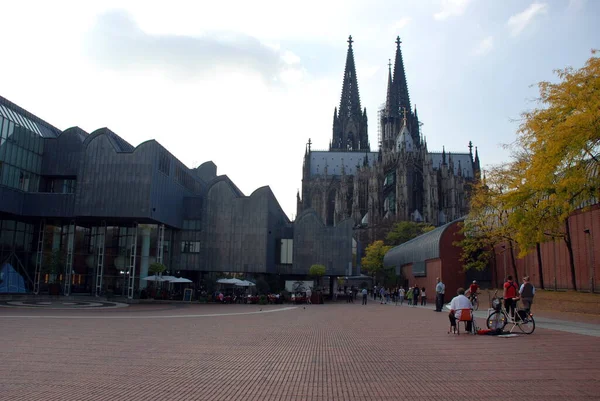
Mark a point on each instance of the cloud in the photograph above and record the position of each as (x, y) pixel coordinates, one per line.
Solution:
(401, 23)
(518, 22)
(484, 46)
(451, 8)
(576, 5)
(117, 42)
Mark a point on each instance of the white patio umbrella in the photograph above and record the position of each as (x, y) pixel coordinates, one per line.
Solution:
(154, 278)
(168, 278)
(245, 283)
(233, 281)
(181, 280)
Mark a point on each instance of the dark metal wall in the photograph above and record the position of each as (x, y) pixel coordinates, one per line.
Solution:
(315, 243)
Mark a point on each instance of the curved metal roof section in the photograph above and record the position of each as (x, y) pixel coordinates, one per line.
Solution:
(226, 179)
(22, 117)
(78, 132)
(419, 249)
(119, 144)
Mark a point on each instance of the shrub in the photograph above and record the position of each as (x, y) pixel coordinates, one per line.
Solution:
(262, 300)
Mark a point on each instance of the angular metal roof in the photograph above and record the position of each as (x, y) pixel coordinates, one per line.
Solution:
(27, 120)
(335, 160)
(466, 162)
(422, 248)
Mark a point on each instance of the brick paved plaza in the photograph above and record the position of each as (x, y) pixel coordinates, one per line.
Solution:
(323, 352)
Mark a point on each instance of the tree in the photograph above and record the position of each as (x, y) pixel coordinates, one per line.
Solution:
(53, 265)
(563, 172)
(317, 271)
(157, 268)
(405, 231)
(372, 262)
(487, 222)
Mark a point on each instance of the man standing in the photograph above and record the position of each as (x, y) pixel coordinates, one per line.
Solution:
(364, 294)
(510, 296)
(440, 290)
(527, 291)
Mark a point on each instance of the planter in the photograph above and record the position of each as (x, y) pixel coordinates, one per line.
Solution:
(54, 289)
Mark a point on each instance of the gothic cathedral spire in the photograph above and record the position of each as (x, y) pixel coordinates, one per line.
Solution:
(350, 125)
(401, 87)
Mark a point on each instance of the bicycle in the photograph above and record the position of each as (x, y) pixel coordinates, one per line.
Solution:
(474, 301)
(498, 317)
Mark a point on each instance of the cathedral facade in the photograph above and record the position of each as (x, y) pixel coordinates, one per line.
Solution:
(400, 181)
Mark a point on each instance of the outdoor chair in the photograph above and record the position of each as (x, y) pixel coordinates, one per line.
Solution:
(466, 316)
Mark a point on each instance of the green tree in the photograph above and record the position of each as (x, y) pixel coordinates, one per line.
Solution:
(156, 268)
(53, 265)
(317, 271)
(404, 231)
(372, 262)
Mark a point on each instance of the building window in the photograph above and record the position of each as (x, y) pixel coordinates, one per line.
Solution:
(164, 163)
(287, 247)
(190, 246)
(69, 186)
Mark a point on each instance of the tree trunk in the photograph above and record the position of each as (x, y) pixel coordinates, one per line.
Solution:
(540, 268)
(513, 262)
(567, 239)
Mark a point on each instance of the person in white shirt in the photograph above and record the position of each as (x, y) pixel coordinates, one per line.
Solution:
(459, 302)
(440, 290)
(400, 296)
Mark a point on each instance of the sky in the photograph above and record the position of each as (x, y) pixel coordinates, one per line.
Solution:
(246, 84)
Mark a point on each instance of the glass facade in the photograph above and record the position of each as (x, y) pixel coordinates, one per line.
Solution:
(20, 156)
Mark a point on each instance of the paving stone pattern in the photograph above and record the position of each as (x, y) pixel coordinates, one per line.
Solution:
(323, 352)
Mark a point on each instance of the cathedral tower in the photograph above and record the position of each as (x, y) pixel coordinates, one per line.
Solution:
(350, 122)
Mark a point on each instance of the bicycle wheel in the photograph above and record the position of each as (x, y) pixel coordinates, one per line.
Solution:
(475, 304)
(525, 322)
(496, 321)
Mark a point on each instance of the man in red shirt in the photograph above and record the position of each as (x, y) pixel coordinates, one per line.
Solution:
(510, 295)
(473, 290)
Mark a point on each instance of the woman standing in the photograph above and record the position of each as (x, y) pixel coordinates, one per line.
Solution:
(423, 297)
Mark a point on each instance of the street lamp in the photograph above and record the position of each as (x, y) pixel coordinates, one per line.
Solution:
(591, 252)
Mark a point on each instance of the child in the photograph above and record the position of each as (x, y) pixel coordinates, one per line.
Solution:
(423, 297)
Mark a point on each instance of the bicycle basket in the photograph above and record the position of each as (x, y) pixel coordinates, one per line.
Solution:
(497, 304)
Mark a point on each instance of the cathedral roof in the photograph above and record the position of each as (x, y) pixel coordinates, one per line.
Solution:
(466, 163)
(335, 160)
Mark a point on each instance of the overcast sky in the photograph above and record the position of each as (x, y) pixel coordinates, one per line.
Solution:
(246, 84)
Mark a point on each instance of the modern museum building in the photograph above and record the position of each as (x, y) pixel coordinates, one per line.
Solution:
(92, 212)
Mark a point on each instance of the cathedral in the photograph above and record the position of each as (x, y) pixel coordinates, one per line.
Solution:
(400, 181)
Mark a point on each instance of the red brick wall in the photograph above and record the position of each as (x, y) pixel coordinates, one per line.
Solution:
(555, 257)
(453, 274)
(433, 271)
(448, 267)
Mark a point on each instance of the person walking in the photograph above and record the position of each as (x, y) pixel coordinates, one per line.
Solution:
(382, 294)
(364, 294)
(409, 295)
(401, 295)
(416, 292)
(423, 297)
(440, 290)
(308, 296)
